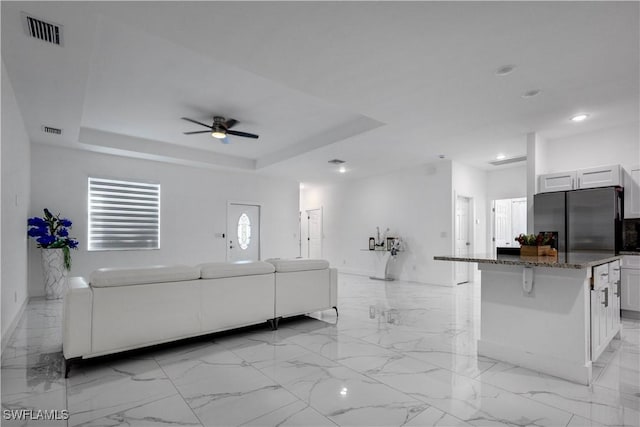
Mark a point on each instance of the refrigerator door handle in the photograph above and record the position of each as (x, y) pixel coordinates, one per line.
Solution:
(573, 180)
(578, 182)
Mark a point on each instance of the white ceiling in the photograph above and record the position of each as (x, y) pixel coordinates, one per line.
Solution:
(382, 85)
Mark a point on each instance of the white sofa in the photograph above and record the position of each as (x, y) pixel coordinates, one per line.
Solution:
(125, 309)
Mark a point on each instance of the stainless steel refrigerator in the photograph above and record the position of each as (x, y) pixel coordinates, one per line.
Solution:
(585, 220)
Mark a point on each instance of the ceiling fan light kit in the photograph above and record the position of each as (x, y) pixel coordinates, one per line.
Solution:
(220, 128)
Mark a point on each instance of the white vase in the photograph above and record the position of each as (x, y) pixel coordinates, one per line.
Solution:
(55, 275)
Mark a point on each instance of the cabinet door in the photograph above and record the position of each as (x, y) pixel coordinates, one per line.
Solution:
(614, 295)
(603, 176)
(595, 324)
(562, 181)
(630, 292)
(632, 193)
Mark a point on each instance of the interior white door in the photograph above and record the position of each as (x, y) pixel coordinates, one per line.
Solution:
(518, 217)
(314, 233)
(462, 238)
(502, 218)
(243, 232)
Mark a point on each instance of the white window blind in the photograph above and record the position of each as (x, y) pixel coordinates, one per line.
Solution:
(123, 215)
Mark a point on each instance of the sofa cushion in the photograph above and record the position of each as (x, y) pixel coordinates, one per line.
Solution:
(105, 277)
(298, 264)
(218, 270)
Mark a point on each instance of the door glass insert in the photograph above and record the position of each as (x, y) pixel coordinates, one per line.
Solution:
(244, 231)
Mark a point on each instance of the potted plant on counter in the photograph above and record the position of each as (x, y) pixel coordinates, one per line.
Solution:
(52, 234)
(536, 245)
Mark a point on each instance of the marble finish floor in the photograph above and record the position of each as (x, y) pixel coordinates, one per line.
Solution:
(400, 354)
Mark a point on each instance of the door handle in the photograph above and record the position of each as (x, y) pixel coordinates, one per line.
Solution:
(617, 293)
(467, 243)
(604, 274)
(573, 181)
(606, 297)
(578, 182)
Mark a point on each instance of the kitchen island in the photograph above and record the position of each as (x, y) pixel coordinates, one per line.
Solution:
(550, 314)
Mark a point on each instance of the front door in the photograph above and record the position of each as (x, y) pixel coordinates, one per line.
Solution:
(243, 232)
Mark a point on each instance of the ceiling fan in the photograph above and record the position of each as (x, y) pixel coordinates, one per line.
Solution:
(220, 128)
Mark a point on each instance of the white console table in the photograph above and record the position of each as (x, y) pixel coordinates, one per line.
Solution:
(381, 265)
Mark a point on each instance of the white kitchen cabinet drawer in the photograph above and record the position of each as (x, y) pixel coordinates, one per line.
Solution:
(602, 176)
(600, 276)
(631, 261)
(562, 181)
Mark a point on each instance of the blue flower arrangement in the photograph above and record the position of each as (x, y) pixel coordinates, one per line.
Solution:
(52, 232)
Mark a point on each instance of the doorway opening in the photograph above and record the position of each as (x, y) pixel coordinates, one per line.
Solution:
(463, 237)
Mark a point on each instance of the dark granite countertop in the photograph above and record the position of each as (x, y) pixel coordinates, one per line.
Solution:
(575, 260)
(629, 252)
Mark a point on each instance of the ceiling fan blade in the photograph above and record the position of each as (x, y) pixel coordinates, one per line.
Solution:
(230, 123)
(196, 122)
(225, 140)
(245, 134)
(198, 131)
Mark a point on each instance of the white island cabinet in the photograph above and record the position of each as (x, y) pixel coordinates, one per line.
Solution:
(550, 314)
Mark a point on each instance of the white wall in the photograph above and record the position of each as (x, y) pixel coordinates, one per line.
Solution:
(617, 145)
(509, 183)
(193, 208)
(14, 152)
(416, 205)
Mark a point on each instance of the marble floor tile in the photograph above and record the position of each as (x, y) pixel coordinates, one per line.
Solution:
(468, 399)
(297, 414)
(349, 398)
(399, 354)
(433, 417)
(102, 389)
(600, 404)
(171, 411)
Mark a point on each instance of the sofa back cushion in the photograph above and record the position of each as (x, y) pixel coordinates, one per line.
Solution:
(298, 264)
(107, 277)
(218, 270)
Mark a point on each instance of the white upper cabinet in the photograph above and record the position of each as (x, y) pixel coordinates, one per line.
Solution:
(632, 193)
(603, 176)
(562, 181)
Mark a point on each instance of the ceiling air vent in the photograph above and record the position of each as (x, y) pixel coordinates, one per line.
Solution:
(51, 130)
(507, 161)
(336, 162)
(42, 30)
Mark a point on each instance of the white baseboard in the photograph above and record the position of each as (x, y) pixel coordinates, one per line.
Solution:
(6, 337)
(540, 362)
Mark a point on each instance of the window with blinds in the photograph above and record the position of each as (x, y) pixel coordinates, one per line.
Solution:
(123, 215)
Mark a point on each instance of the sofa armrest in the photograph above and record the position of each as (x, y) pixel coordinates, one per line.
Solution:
(76, 319)
(333, 272)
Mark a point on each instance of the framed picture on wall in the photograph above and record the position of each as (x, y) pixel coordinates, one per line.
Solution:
(390, 241)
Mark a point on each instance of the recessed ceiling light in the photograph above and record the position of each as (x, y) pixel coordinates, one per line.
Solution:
(441, 156)
(531, 93)
(505, 69)
(342, 169)
(579, 117)
(501, 157)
